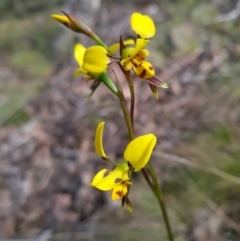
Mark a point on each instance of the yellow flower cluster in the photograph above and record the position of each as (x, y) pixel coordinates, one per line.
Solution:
(94, 61)
(136, 156)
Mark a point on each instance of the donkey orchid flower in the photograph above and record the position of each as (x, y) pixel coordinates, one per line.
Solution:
(136, 155)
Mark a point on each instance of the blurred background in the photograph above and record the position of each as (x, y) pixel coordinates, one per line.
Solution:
(47, 123)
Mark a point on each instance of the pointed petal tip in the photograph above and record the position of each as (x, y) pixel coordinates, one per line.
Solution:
(58, 17)
(98, 140)
(164, 86)
(155, 95)
(157, 82)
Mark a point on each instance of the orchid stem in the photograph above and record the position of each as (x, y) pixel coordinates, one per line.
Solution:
(123, 104)
(131, 88)
(161, 201)
(126, 115)
(132, 93)
(155, 187)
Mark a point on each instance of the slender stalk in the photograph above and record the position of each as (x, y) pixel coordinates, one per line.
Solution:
(132, 93)
(127, 117)
(123, 103)
(131, 88)
(154, 186)
(161, 202)
(146, 176)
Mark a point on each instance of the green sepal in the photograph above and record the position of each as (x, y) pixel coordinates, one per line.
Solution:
(108, 82)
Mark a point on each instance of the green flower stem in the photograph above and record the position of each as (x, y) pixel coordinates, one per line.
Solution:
(146, 176)
(107, 159)
(131, 87)
(154, 186)
(100, 42)
(129, 118)
(128, 77)
(126, 113)
(161, 201)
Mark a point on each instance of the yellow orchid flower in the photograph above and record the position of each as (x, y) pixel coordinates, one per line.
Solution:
(134, 57)
(94, 60)
(136, 155)
(116, 180)
(93, 63)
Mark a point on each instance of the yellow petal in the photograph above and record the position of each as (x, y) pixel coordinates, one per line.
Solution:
(79, 51)
(139, 150)
(129, 52)
(143, 69)
(99, 176)
(62, 19)
(80, 71)
(128, 66)
(65, 21)
(142, 54)
(113, 48)
(98, 140)
(113, 178)
(95, 59)
(142, 25)
(119, 191)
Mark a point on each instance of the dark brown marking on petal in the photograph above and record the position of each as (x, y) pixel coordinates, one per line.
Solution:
(138, 36)
(140, 64)
(120, 194)
(135, 65)
(106, 173)
(150, 67)
(117, 180)
(143, 74)
(129, 56)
